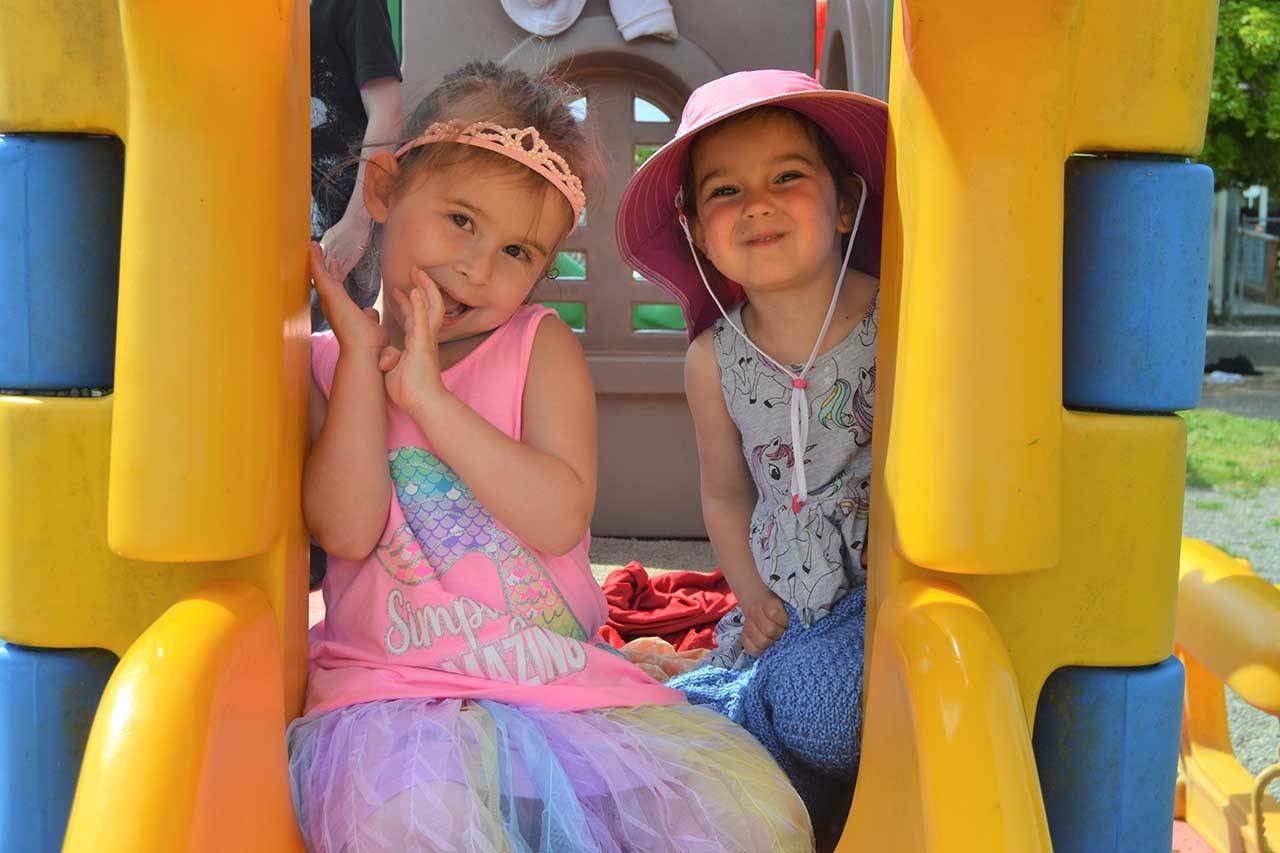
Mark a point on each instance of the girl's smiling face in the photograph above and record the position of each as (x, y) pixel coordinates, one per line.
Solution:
(484, 234)
(768, 212)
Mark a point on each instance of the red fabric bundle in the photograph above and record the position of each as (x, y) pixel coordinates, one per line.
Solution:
(680, 607)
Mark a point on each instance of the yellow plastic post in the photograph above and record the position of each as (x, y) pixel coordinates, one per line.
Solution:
(983, 474)
(215, 137)
(202, 441)
(1229, 618)
(192, 466)
(973, 462)
(993, 100)
(63, 71)
(1060, 527)
(1228, 634)
(210, 271)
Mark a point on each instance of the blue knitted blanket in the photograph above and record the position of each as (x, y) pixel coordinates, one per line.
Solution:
(802, 699)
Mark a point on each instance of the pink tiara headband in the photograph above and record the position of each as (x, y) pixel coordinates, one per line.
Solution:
(524, 146)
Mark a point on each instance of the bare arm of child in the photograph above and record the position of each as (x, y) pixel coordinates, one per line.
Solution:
(346, 484)
(542, 487)
(728, 497)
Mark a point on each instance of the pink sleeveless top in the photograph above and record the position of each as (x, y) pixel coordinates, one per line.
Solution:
(451, 604)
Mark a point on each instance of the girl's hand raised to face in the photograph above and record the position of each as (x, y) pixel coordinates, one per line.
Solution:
(357, 330)
(413, 376)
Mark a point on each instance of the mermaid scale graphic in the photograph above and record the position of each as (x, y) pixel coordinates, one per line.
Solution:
(448, 523)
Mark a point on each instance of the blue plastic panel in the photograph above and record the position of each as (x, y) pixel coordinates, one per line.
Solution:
(60, 203)
(47, 701)
(1135, 283)
(1106, 743)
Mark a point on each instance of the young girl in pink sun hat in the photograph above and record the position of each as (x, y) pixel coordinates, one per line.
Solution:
(459, 694)
(762, 217)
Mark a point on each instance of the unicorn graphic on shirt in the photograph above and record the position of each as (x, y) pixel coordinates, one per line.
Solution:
(857, 503)
(768, 388)
(770, 466)
(769, 547)
(869, 327)
(831, 409)
(848, 408)
(447, 523)
(819, 547)
(746, 375)
(734, 352)
(863, 400)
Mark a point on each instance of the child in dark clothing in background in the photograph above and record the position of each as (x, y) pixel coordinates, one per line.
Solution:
(355, 101)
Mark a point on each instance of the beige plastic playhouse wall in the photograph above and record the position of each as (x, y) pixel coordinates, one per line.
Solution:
(648, 456)
(855, 46)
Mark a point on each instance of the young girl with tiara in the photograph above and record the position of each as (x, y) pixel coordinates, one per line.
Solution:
(459, 695)
(750, 217)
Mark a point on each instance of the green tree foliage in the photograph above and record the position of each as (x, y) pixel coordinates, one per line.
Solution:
(1243, 139)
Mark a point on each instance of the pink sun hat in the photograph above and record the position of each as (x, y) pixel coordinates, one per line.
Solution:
(648, 232)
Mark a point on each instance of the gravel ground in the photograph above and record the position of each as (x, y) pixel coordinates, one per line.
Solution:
(656, 555)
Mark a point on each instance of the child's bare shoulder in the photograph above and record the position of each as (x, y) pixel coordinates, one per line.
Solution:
(554, 337)
(702, 348)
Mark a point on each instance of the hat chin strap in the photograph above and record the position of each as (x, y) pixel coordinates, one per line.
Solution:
(799, 395)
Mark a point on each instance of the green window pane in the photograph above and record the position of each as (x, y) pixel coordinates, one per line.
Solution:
(653, 317)
(574, 314)
(393, 9)
(571, 266)
(643, 152)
